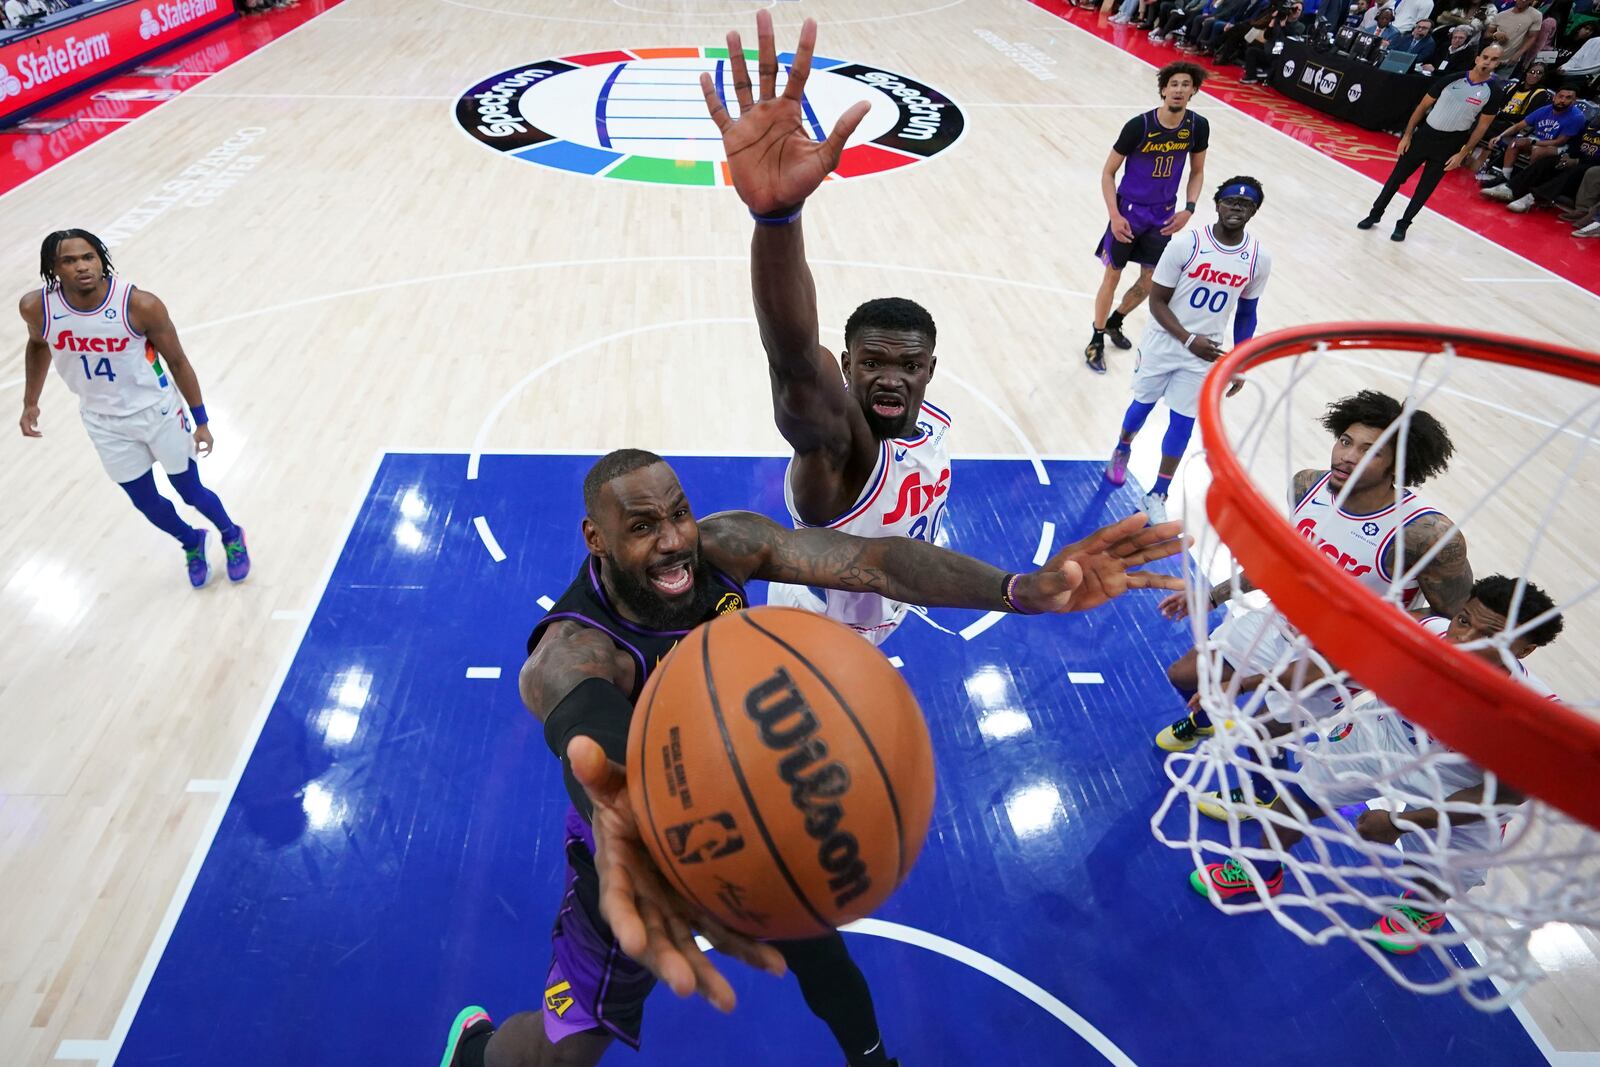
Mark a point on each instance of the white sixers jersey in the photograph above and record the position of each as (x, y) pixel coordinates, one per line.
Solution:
(904, 497)
(101, 357)
(1208, 280)
(1360, 544)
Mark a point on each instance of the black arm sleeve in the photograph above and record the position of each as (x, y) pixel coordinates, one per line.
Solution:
(596, 709)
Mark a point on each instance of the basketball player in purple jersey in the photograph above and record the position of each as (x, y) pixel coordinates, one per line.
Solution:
(870, 454)
(653, 574)
(115, 346)
(1150, 151)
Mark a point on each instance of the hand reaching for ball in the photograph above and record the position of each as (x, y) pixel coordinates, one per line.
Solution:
(654, 924)
(1092, 571)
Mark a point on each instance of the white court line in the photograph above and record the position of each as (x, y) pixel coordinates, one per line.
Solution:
(1534, 281)
(83, 1050)
(1134, 108)
(483, 672)
(108, 122)
(205, 785)
(196, 95)
(910, 935)
(56, 169)
(180, 895)
(896, 662)
(1047, 537)
(1059, 21)
(657, 24)
(974, 629)
(545, 602)
(611, 261)
(486, 535)
(1086, 678)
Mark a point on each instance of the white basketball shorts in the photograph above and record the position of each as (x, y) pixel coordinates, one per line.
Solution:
(129, 445)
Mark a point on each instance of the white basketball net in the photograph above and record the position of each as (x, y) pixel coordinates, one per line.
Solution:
(1501, 871)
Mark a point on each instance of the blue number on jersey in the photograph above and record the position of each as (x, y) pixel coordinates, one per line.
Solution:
(1202, 297)
(101, 369)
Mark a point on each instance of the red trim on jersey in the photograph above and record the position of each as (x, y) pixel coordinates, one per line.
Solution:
(111, 288)
(1381, 512)
(44, 292)
(1313, 491)
(868, 496)
(127, 310)
(1193, 253)
(936, 413)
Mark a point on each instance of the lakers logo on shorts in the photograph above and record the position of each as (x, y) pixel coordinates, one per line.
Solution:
(730, 602)
(556, 998)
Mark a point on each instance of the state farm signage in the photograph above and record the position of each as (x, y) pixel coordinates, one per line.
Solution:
(35, 68)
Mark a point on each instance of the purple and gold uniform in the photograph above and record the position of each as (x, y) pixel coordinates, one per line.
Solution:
(1152, 172)
(591, 984)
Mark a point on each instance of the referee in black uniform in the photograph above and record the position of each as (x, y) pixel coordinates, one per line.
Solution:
(1459, 108)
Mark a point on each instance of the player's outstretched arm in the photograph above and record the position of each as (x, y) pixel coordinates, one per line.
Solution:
(36, 363)
(1081, 576)
(775, 164)
(150, 318)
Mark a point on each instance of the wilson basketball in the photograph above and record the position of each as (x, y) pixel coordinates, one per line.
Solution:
(781, 772)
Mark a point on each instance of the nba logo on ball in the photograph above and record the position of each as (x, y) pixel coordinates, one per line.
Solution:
(640, 115)
(780, 772)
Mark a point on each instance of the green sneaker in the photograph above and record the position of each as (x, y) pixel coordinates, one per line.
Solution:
(470, 1021)
(1401, 929)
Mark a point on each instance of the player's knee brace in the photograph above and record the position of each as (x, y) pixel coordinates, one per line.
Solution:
(1179, 427)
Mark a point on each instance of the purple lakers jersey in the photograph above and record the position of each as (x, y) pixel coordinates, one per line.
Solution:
(1156, 156)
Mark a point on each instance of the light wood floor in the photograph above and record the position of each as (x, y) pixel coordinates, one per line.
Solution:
(378, 281)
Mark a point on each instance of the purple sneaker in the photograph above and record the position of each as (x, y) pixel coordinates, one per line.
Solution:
(238, 556)
(199, 569)
(1117, 469)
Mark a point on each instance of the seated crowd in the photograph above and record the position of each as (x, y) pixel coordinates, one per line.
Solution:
(18, 14)
(1543, 148)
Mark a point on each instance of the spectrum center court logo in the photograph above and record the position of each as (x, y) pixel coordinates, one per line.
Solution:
(638, 114)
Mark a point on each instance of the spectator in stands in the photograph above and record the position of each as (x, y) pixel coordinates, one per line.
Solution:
(1183, 24)
(1280, 23)
(1440, 134)
(1227, 15)
(1458, 56)
(1549, 178)
(1541, 134)
(1198, 32)
(1586, 60)
(1383, 29)
(15, 11)
(1369, 16)
(1407, 13)
(1418, 41)
(1585, 213)
(1518, 28)
(1529, 95)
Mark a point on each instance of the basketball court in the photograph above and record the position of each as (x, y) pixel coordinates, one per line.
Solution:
(305, 819)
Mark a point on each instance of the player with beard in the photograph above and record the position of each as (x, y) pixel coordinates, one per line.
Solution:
(871, 456)
(654, 573)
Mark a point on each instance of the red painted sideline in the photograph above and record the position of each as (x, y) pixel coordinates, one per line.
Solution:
(99, 112)
(1537, 236)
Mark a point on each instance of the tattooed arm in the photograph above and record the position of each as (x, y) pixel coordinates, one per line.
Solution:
(1447, 579)
(1078, 577)
(567, 655)
(1177, 607)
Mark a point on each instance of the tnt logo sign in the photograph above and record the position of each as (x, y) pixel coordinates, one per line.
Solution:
(1354, 93)
(10, 85)
(1346, 562)
(149, 28)
(916, 496)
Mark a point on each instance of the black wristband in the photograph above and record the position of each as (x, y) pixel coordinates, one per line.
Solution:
(595, 709)
(1189, 207)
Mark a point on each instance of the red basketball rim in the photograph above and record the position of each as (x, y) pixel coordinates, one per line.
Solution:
(1540, 747)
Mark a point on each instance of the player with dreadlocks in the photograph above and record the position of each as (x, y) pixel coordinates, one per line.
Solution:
(115, 346)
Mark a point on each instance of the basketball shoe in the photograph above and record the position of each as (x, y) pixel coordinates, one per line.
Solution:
(1211, 806)
(238, 557)
(1401, 928)
(1230, 879)
(1155, 508)
(1183, 735)
(470, 1022)
(195, 561)
(1094, 355)
(1117, 469)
